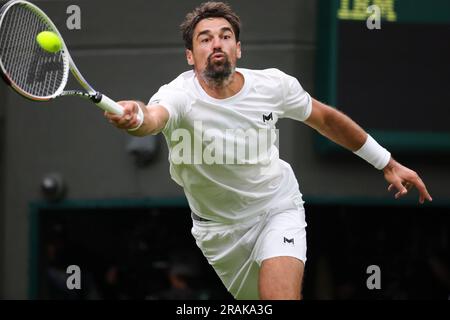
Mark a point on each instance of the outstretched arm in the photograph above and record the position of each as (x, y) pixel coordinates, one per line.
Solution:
(339, 128)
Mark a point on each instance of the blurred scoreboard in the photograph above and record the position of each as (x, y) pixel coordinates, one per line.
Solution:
(394, 80)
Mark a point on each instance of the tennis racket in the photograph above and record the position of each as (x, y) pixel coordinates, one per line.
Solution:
(31, 71)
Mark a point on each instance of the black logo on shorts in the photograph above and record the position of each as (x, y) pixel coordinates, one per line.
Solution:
(286, 240)
(267, 118)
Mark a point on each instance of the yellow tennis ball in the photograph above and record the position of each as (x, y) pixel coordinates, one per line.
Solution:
(49, 41)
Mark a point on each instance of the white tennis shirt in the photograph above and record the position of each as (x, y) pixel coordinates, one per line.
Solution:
(223, 152)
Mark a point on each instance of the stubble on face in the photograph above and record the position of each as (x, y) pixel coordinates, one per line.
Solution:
(218, 73)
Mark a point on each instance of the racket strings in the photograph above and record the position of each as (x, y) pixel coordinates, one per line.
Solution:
(33, 70)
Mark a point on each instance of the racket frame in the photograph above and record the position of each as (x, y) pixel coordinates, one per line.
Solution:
(98, 98)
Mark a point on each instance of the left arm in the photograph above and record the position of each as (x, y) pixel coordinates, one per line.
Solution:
(342, 130)
(336, 126)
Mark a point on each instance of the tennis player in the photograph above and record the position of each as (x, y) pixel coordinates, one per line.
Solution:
(248, 215)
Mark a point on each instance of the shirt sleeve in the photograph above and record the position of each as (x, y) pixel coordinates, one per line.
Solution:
(297, 103)
(175, 101)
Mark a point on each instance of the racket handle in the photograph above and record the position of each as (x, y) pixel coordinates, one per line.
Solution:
(110, 105)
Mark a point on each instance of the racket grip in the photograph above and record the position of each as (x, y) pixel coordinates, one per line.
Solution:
(110, 105)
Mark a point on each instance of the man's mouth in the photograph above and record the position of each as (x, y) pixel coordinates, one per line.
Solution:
(218, 56)
(218, 67)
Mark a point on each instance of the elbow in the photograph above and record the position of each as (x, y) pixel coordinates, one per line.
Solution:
(322, 117)
(327, 121)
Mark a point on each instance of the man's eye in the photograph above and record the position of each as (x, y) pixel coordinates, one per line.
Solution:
(227, 37)
(204, 40)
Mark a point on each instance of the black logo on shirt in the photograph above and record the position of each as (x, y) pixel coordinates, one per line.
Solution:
(286, 240)
(268, 117)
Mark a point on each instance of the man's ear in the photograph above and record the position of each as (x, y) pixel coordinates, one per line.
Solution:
(189, 57)
(238, 50)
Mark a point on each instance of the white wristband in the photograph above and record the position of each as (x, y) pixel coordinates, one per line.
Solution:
(140, 117)
(374, 154)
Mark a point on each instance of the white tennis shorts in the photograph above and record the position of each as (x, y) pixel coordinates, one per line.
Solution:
(236, 251)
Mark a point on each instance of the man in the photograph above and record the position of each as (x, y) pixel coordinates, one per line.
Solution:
(248, 216)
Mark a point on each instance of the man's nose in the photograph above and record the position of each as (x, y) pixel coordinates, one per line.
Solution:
(217, 43)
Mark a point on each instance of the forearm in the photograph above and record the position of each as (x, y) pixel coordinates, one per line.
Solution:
(342, 130)
(339, 128)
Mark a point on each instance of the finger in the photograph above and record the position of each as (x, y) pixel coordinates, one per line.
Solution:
(401, 189)
(423, 192)
(108, 115)
(124, 121)
(121, 122)
(128, 106)
(390, 187)
(421, 199)
(135, 107)
(113, 121)
(408, 186)
(400, 194)
(134, 123)
(135, 112)
(129, 113)
(125, 103)
(112, 116)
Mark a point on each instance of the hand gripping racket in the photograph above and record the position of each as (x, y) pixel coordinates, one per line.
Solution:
(34, 73)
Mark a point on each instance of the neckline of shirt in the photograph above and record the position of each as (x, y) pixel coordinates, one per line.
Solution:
(237, 96)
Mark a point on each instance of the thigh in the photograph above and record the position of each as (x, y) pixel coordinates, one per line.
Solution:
(280, 278)
(229, 252)
(283, 235)
(281, 252)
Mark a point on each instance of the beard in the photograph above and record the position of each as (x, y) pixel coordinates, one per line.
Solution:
(218, 72)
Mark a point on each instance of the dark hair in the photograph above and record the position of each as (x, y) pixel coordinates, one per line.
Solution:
(208, 10)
